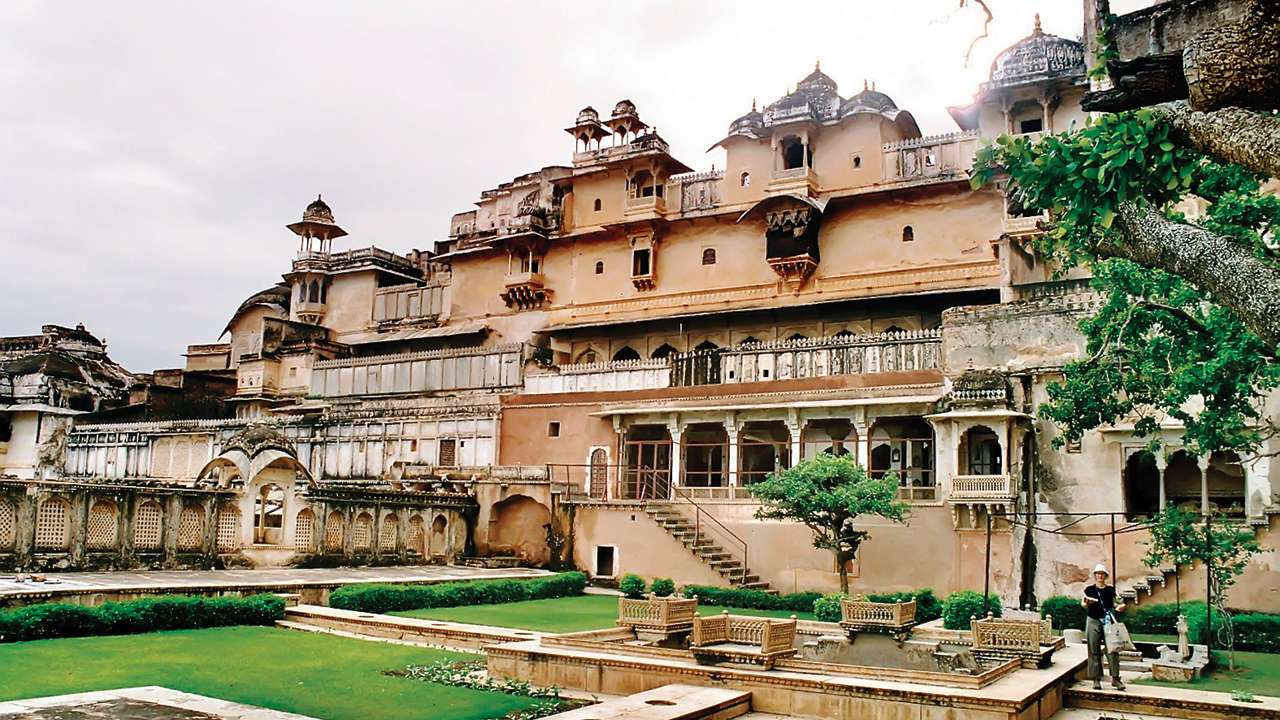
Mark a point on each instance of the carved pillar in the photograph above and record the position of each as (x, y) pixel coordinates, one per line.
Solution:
(862, 443)
(1257, 485)
(731, 463)
(1161, 463)
(677, 453)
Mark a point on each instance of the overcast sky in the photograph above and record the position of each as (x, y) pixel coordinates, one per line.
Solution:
(152, 152)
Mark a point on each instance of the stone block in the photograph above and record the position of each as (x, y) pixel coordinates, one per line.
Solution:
(1172, 672)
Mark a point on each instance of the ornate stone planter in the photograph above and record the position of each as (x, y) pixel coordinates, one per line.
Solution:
(861, 615)
(655, 618)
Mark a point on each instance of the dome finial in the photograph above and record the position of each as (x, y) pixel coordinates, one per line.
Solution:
(1037, 29)
(753, 104)
(864, 84)
(873, 86)
(817, 65)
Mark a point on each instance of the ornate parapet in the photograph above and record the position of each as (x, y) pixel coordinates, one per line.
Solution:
(864, 615)
(1030, 640)
(662, 617)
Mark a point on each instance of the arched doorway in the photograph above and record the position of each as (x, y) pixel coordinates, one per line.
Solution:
(704, 447)
(646, 452)
(440, 536)
(764, 447)
(598, 481)
(833, 436)
(268, 515)
(1141, 484)
(1182, 481)
(904, 445)
(980, 452)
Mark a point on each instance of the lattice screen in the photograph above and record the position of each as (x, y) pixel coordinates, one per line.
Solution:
(229, 528)
(102, 529)
(362, 532)
(51, 524)
(304, 532)
(8, 519)
(333, 528)
(417, 534)
(146, 526)
(190, 528)
(387, 534)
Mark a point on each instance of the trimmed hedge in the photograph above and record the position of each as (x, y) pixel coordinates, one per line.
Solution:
(1161, 619)
(663, 587)
(960, 607)
(751, 599)
(632, 586)
(1258, 632)
(166, 612)
(827, 607)
(1067, 612)
(928, 607)
(379, 598)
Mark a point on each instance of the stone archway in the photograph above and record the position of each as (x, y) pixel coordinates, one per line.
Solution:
(517, 526)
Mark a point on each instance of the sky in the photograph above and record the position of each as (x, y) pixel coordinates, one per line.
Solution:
(152, 151)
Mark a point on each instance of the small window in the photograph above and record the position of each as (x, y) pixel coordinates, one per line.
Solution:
(553, 428)
(599, 267)
(857, 162)
(908, 233)
(448, 452)
(640, 263)
(709, 256)
(745, 179)
(597, 205)
(1031, 125)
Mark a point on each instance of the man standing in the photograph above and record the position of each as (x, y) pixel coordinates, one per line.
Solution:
(1099, 602)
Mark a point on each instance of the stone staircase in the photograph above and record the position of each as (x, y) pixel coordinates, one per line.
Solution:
(704, 547)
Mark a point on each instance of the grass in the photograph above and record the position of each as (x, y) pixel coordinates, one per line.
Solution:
(1258, 673)
(319, 675)
(561, 615)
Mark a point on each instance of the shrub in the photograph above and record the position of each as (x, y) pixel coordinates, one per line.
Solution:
(961, 606)
(751, 599)
(1067, 612)
(167, 612)
(928, 607)
(663, 587)
(381, 598)
(1257, 632)
(827, 607)
(632, 586)
(1160, 619)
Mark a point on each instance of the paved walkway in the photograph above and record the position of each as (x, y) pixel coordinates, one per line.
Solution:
(75, 583)
(141, 703)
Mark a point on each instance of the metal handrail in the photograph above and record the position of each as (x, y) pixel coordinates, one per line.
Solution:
(698, 512)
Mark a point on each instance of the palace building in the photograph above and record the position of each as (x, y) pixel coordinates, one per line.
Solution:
(604, 355)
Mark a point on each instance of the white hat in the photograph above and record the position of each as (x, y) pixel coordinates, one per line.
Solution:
(1100, 568)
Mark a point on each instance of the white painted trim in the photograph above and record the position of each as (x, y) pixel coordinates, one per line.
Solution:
(617, 561)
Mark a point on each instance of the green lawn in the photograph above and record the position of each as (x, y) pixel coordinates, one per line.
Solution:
(561, 615)
(1258, 673)
(319, 675)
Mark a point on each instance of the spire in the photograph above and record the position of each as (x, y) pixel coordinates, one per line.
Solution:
(1037, 30)
(817, 65)
(864, 84)
(753, 104)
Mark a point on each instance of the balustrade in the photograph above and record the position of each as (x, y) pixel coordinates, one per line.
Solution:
(937, 156)
(981, 487)
(602, 377)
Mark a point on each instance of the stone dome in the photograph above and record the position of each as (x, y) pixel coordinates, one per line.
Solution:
(1038, 56)
(588, 114)
(318, 211)
(747, 124)
(868, 101)
(624, 107)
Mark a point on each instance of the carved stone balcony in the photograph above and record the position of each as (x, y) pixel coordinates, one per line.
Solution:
(311, 312)
(982, 488)
(1024, 227)
(801, 181)
(525, 291)
(647, 205)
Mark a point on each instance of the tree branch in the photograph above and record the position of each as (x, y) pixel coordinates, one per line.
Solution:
(1246, 138)
(1238, 279)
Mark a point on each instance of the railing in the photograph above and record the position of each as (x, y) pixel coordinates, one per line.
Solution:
(864, 613)
(985, 395)
(654, 613)
(642, 144)
(981, 487)
(1010, 635)
(1017, 226)
(408, 301)
(602, 377)
(938, 156)
(703, 519)
(647, 202)
(525, 279)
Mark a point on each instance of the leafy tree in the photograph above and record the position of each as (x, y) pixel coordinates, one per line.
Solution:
(1181, 537)
(827, 494)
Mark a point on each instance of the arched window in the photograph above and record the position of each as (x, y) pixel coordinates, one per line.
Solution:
(981, 452)
(51, 524)
(599, 267)
(745, 179)
(748, 340)
(313, 292)
(388, 533)
(793, 153)
(598, 481)
(362, 532)
(626, 352)
(588, 356)
(190, 528)
(146, 526)
(417, 536)
(268, 515)
(304, 531)
(439, 536)
(334, 527)
(597, 205)
(796, 337)
(709, 256)
(228, 535)
(857, 161)
(102, 530)
(706, 345)
(908, 233)
(664, 350)
(8, 521)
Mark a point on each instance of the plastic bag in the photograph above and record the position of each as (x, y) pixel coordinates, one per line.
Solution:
(1116, 636)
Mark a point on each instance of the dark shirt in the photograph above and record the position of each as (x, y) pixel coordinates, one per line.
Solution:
(1107, 595)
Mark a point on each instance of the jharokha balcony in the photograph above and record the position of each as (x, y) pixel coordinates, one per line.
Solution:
(525, 290)
(982, 488)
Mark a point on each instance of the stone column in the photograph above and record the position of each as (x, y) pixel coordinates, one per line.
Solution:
(1204, 485)
(1161, 463)
(677, 454)
(1257, 484)
(862, 444)
(731, 462)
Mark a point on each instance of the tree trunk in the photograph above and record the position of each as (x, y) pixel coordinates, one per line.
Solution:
(842, 567)
(1236, 64)
(1219, 265)
(1246, 138)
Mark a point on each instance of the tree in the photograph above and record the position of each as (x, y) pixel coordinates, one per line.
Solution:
(827, 494)
(1181, 537)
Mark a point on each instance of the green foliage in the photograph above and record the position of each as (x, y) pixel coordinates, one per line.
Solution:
(167, 612)
(751, 599)
(1067, 612)
(827, 493)
(1161, 619)
(663, 587)
(1157, 344)
(1259, 632)
(961, 606)
(1179, 537)
(378, 598)
(632, 586)
(928, 606)
(827, 607)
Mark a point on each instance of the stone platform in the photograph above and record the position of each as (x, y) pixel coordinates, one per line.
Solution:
(311, 584)
(140, 703)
